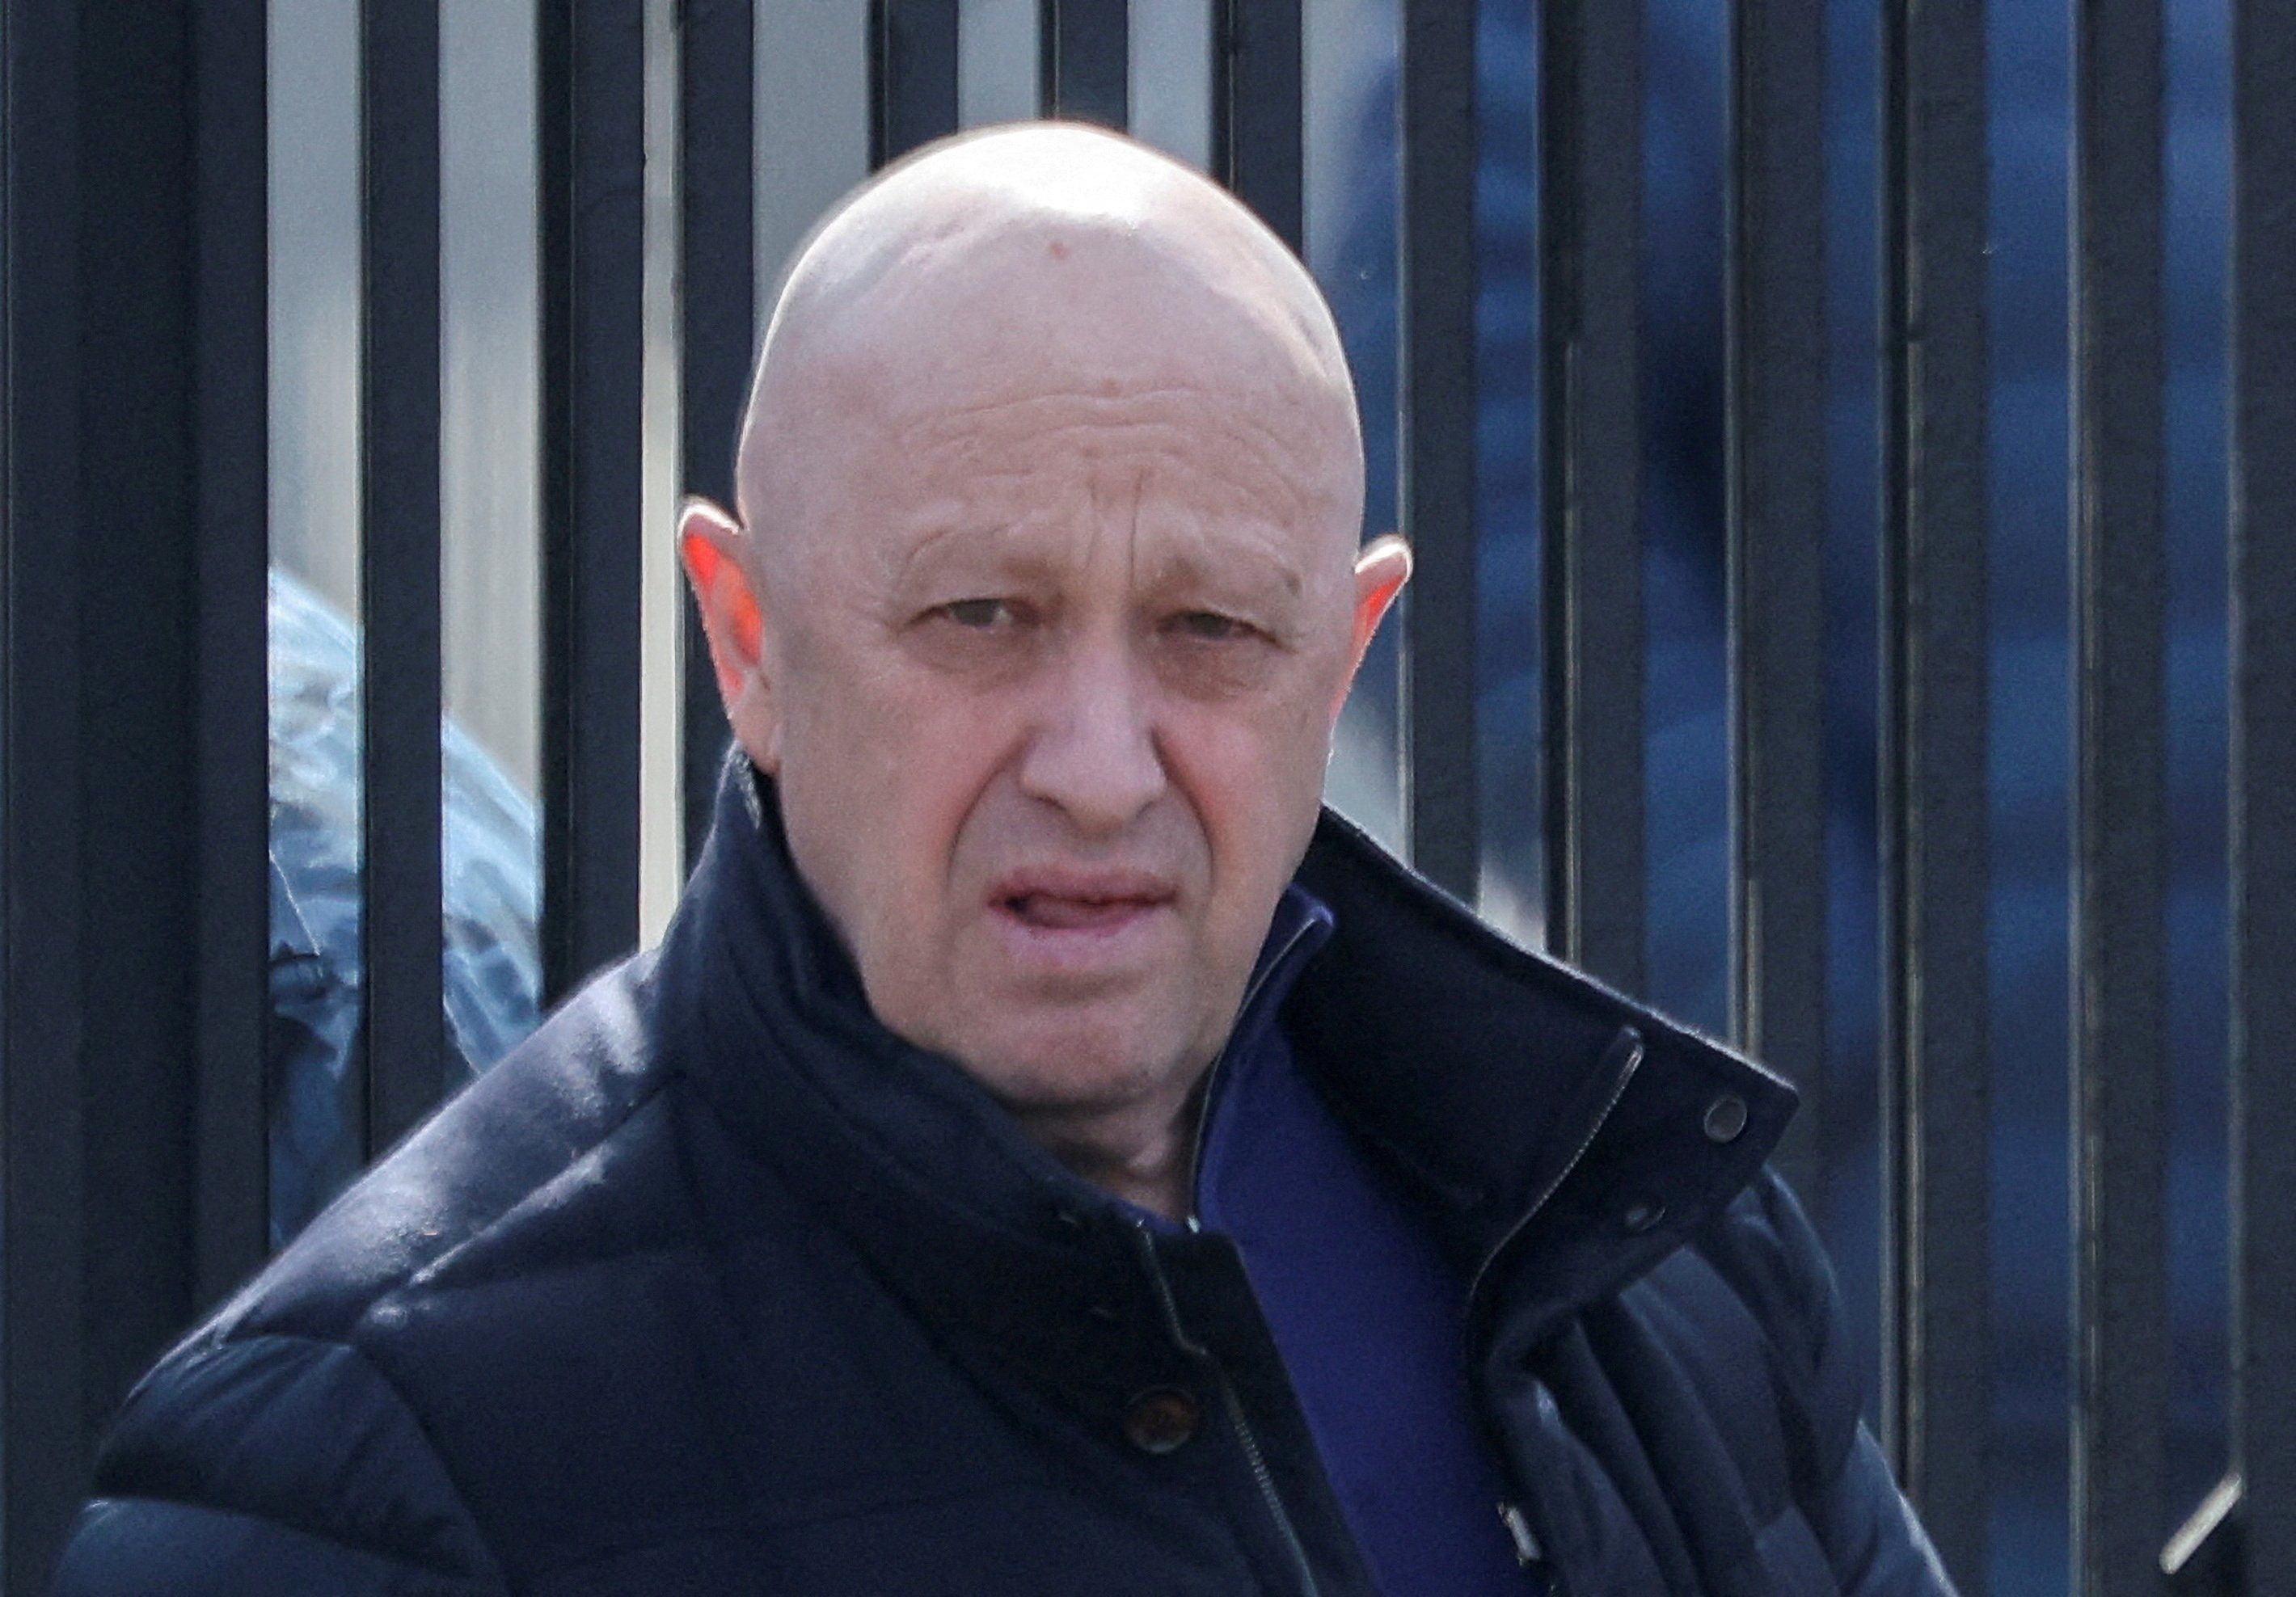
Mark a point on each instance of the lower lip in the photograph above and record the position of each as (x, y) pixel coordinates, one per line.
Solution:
(1110, 938)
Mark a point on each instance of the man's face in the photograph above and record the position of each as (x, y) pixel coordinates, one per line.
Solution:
(1045, 607)
(1055, 667)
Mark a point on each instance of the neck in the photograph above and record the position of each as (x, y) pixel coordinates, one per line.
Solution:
(1143, 1150)
(1142, 1153)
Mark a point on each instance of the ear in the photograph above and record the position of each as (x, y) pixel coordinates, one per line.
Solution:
(1381, 570)
(715, 551)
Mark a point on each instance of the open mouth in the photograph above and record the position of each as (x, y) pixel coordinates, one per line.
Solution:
(1052, 900)
(1053, 911)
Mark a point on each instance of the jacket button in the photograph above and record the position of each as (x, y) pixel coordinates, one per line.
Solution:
(1726, 1117)
(1645, 1214)
(1162, 1418)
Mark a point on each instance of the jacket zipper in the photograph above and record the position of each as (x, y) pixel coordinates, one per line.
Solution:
(1528, 1549)
(1203, 1355)
(1626, 1074)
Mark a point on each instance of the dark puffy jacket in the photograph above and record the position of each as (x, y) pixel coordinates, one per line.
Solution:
(714, 1286)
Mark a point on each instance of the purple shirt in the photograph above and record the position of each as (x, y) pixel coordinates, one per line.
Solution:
(1366, 1313)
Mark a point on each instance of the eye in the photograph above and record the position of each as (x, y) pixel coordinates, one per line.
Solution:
(1209, 627)
(980, 614)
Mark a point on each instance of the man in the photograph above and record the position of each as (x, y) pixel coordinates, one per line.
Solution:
(1044, 1156)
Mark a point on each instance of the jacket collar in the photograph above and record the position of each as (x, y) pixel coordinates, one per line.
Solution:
(1561, 1137)
(1565, 1136)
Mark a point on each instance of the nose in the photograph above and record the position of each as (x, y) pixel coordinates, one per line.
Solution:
(1093, 753)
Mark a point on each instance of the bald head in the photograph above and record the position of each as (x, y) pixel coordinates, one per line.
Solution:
(1043, 259)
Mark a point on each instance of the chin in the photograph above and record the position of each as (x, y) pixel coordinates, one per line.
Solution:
(1079, 1066)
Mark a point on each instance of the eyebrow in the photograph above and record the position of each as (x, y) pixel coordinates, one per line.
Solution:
(1188, 568)
(962, 537)
(1247, 569)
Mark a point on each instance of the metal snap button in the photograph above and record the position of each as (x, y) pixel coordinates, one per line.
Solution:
(1162, 1418)
(1726, 1117)
(1645, 1214)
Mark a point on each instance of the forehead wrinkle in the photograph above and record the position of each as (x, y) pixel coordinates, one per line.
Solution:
(1132, 530)
(1280, 447)
(1001, 538)
(1185, 551)
(1153, 561)
(1250, 478)
(1267, 461)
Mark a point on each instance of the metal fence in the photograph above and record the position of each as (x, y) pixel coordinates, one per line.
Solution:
(132, 747)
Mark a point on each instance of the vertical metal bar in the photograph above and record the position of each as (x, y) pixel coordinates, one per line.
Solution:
(1258, 129)
(2263, 785)
(47, 1432)
(912, 76)
(2120, 1087)
(1776, 598)
(591, 68)
(1937, 1088)
(717, 63)
(100, 830)
(231, 341)
(139, 859)
(1590, 275)
(401, 678)
(1435, 314)
(1084, 53)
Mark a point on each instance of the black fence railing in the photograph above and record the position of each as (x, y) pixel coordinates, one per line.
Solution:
(1937, 1088)
(401, 671)
(1590, 130)
(2263, 780)
(131, 757)
(2120, 850)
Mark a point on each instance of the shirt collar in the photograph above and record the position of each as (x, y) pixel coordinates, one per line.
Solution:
(1300, 925)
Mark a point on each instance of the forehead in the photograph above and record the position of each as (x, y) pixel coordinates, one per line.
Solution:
(1217, 448)
(1189, 478)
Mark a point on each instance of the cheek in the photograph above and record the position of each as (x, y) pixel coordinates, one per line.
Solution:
(1254, 778)
(894, 759)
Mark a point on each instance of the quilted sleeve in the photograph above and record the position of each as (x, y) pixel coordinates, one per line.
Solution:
(1877, 1548)
(129, 1547)
(272, 1464)
(1770, 1253)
